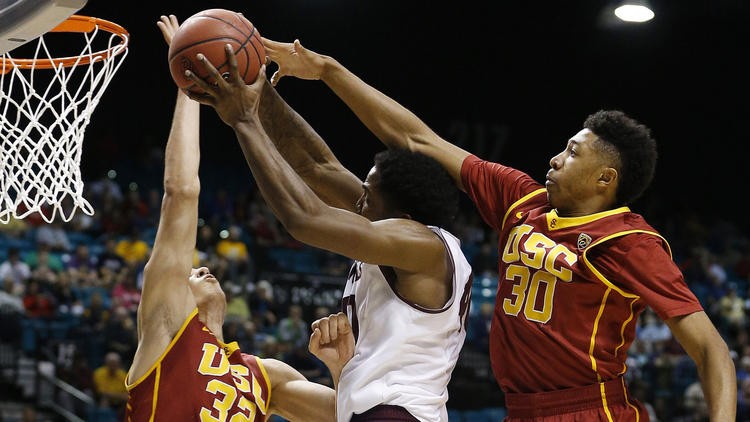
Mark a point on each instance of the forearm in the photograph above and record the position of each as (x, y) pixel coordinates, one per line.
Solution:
(719, 382)
(293, 137)
(182, 153)
(306, 152)
(392, 123)
(289, 198)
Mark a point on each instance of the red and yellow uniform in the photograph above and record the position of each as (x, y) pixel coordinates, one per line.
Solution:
(569, 295)
(199, 378)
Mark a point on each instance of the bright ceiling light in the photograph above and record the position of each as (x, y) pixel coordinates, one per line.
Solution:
(636, 11)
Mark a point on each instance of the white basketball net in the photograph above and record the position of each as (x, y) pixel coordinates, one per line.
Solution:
(43, 117)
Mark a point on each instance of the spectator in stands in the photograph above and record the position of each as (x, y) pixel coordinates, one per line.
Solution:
(54, 236)
(94, 320)
(132, 249)
(264, 307)
(109, 384)
(16, 270)
(264, 224)
(732, 309)
(135, 208)
(44, 265)
(109, 257)
(234, 250)
(82, 258)
(12, 311)
(10, 301)
(121, 334)
(78, 374)
(15, 228)
(66, 298)
(293, 331)
(653, 332)
(695, 403)
(237, 307)
(125, 292)
(37, 302)
(206, 241)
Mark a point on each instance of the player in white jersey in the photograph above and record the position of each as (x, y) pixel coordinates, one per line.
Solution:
(383, 221)
(404, 353)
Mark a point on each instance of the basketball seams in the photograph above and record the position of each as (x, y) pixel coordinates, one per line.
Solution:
(205, 41)
(225, 21)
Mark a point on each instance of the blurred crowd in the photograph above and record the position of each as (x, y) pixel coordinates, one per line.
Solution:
(70, 291)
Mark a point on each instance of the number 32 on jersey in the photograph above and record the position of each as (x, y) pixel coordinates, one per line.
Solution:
(229, 397)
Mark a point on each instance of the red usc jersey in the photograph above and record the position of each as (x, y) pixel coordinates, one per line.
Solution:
(199, 378)
(570, 289)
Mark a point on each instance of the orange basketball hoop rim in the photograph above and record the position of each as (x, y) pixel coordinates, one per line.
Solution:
(75, 24)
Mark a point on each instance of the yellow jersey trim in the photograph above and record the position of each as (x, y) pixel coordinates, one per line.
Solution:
(267, 380)
(627, 400)
(555, 222)
(610, 287)
(155, 398)
(520, 201)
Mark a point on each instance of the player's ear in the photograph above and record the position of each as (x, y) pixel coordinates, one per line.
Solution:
(608, 176)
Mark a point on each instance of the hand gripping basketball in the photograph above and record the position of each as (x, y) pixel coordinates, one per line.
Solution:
(227, 92)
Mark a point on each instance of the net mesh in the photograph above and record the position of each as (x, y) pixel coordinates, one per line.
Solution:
(43, 117)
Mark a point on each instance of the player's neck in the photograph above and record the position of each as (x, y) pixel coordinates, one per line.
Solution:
(213, 321)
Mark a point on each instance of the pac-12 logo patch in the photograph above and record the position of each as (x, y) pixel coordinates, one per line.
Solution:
(583, 241)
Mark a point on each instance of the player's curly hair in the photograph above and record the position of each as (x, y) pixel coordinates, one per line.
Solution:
(417, 185)
(635, 150)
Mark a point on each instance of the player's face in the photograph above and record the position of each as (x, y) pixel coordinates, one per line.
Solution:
(206, 288)
(572, 180)
(371, 204)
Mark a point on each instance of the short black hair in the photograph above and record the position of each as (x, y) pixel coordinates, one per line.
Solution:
(635, 149)
(418, 185)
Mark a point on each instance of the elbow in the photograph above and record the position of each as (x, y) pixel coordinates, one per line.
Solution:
(182, 188)
(299, 225)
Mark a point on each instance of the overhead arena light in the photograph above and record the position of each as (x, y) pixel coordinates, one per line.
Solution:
(634, 11)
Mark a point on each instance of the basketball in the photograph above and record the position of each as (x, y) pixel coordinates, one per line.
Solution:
(207, 32)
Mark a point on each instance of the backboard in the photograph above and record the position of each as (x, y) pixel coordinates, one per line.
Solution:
(22, 21)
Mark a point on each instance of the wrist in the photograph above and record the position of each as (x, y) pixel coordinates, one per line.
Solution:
(327, 67)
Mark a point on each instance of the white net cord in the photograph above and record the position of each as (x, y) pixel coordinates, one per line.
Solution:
(43, 117)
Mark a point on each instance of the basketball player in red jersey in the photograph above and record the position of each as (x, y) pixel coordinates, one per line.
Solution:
(577, 266)
(183, 370)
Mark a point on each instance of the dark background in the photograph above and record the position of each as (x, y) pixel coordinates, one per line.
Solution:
(508, 80)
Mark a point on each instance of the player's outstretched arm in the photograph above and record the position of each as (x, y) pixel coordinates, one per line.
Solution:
(704, 345)
(307, 153)
(166, 299)
(295, 398)
(393, 124)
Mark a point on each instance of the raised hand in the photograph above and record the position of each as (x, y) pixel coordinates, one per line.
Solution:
(233, 100)
(168, 26)
(293, 60)
(332, 341)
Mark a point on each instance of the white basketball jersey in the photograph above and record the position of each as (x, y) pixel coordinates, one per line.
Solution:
(404, 354)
